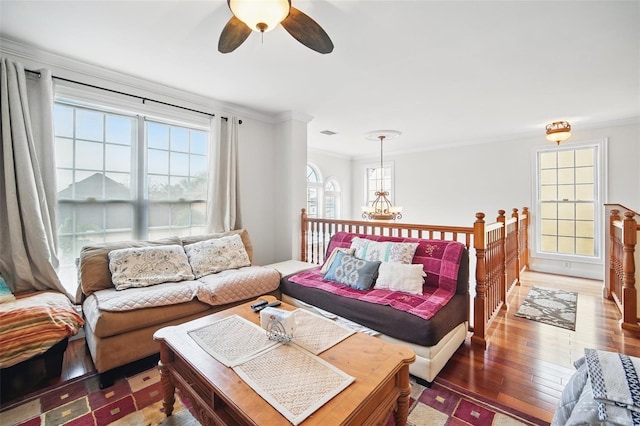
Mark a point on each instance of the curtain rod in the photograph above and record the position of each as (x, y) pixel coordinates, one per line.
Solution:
(127, 94)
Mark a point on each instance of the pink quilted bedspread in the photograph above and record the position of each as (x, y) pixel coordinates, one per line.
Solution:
(441, 261)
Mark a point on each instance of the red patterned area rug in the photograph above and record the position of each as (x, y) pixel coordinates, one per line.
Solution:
(137, 401)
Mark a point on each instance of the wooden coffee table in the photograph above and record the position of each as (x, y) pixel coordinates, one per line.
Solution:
(220, 396)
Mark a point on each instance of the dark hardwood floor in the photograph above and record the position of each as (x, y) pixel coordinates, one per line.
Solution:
(525, 365)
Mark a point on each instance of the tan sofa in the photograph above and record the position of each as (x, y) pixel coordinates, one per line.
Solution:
(119, 324)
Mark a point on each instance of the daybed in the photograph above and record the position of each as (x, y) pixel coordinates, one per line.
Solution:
(120, 323)
(34, 331)
(434, 322)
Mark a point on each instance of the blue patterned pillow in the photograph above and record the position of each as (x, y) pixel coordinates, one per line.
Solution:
(353, 272)
(5, 292)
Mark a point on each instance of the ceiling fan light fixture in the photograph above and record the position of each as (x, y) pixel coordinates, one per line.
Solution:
(558, 131)
(260, 15)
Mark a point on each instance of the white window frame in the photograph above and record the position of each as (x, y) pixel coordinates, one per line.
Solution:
(387, 165)
(319, 188)
(116, 104)
(601, 174)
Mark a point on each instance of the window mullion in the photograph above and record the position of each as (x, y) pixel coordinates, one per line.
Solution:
(141, 214)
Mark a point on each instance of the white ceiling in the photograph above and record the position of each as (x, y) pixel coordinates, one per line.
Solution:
(442, 72)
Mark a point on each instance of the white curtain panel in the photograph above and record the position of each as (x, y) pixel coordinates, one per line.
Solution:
(223, 210)
(28, 254)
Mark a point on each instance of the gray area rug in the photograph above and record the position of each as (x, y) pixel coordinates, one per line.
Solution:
(550, 306)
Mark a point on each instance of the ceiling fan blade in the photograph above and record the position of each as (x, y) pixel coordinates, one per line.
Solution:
(307, 31)
(233, 35)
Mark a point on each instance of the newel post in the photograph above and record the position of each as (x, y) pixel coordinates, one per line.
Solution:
(525, 245)
(613, 218)
(629, 295)
(514, 215)
(479, 301)
(503, 258)
(303, 236)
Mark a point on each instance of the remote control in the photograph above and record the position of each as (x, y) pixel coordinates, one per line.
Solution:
(271, 305)
(259, 303)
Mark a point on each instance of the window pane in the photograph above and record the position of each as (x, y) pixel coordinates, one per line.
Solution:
(117, 186)
(584, 211)
(178, 188)
(179, 164)
(565, 176)
(549, 227)
(584, 229)
(566, 245)
(198, 214)
(65, 183)
(565, 228)
(117, 158)
(548, 177)
(565, 211)
(585, 246)
(585, 192)
(64, 153)
(584, 175)
(565, 159)
(549, 211)
(89, 155)
(157, 135)
(63, 121)
(549, 243)
(119, 217)
(88, 185)
(159, 215)
(89, 125)
(180, 215)
(198, 142)
(549, 193)
(119, 129)
(584, 157)
(158, 187)
(565, 192)
(198, 164)
(158, 162)
(179, 139)
(548, 160)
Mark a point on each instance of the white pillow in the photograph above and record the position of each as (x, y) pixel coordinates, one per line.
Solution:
(332, 256)
(385, 251)
(400, 277)
(145, 266)
(217, 255)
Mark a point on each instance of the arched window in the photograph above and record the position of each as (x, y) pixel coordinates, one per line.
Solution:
(332, 199)
(314, 191)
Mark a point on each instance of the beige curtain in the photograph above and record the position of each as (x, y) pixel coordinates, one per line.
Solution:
(223, 206)
(28, 252)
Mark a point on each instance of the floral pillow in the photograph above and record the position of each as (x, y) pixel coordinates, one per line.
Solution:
(384, 251)
(400, 277)
(217, 255)
(327, 263)
(353, 272)
(146, 266)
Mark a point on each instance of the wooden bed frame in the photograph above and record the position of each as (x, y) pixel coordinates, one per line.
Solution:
(501, 248)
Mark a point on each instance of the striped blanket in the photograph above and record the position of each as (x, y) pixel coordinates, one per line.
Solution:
(33, 323)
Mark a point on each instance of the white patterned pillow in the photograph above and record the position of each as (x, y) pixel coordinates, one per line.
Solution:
(332, 256)
(396, 276)
(383, 251)
(145, 266)
(217, 255)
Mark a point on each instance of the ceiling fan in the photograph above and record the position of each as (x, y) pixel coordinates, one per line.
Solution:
(265, 15)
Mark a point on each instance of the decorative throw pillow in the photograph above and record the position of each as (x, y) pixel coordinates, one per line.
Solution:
(400, 277)
(332, 256)
(353, 272)
(5, 292)
(384, 251)
(217, 255)
(146, 266)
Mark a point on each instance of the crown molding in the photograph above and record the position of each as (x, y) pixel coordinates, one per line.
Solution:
(35, 58)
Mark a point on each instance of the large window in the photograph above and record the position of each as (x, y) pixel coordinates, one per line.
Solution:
(568, 198)
(122, 176)
(323, 200)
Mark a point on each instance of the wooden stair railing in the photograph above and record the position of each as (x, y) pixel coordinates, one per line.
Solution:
(622, 269)
(501, 253)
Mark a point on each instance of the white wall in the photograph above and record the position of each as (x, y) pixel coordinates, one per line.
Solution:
(448, 186)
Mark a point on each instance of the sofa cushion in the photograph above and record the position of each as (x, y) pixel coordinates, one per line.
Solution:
(146, 266)
(400, 277)
(216, 255)
(329, 261)
(237, 284)
(384, 251)
(94, 262)
(352, 271)
(165, 294)
(244, 234)
(104, 323)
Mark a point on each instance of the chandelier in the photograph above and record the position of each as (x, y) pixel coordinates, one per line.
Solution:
(381, 208)
(558, 131)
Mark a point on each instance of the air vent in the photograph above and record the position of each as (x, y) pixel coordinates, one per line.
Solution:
(328, 132)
